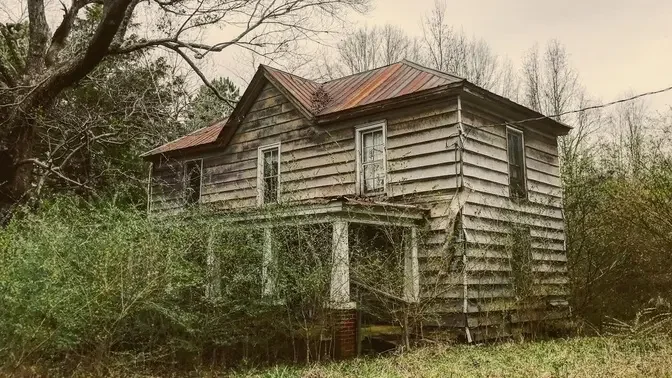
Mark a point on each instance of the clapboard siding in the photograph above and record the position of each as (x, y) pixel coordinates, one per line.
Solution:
(489, 215)
(425, 167)
(319, 161)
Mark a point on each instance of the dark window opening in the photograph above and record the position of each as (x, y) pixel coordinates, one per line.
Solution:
(193, 181)
(270, 174)
(517, 187)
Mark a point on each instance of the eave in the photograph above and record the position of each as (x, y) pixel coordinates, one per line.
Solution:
(513, 110)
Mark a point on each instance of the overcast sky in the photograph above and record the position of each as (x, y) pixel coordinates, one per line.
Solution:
(615, 45)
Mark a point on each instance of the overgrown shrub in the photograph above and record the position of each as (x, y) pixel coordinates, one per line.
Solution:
(95, 281)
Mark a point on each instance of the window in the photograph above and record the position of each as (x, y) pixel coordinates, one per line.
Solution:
(515, 147)
(268, 174)
(371, 161)
(192, 174)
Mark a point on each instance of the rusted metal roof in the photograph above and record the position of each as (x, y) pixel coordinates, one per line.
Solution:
(346, 93)
(381, 84)
(199, 137)
(303, 90)
(364, 88)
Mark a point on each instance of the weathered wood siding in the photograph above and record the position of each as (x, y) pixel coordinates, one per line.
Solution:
(423, 169)
(319, 161)
(489, 214)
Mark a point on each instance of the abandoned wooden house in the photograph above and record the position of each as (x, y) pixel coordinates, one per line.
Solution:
(457, 167)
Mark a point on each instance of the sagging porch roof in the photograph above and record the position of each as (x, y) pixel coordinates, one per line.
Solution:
(324, 210)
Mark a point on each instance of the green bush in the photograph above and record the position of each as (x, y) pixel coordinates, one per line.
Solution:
(94, 281)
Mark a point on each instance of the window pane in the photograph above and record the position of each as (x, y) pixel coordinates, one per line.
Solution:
(270, 175)
(372, 158)
(271, 189)
(271, 163)
(370, 171)
(373, 177)
(367, 155)
(369, 186)
(378, 138)
(517, 187)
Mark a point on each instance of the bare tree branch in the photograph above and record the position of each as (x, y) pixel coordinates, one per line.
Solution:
(200, 74)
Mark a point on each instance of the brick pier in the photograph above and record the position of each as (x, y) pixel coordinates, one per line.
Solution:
(346, 333)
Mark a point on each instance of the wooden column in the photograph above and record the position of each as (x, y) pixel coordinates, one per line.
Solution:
(268, 264)
(411, 267)
(340, 266)
(344, 311)
(213, 287)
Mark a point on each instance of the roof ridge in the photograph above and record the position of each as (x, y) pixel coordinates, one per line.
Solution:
(360, 73)
(418, 66)
(291, 74)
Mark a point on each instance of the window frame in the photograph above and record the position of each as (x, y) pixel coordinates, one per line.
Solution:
(260, 172)
(186, 180)
(520, 132)
(359, 181)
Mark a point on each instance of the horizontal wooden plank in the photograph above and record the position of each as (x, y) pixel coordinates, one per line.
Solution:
(418, 187)
(429, 147)
(432, 158)
(447, 122)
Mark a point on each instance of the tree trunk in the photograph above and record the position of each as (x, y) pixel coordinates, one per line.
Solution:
(17, 172)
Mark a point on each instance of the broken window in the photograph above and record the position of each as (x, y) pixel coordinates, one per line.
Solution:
(193, 174)
(517, 186)
(268, 179)
(371, 159)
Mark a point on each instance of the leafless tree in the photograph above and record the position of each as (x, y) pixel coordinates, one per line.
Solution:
(631, 136)
(452, 51)
(30, 85)
(369, 48)
(509, 82)
(551, 86)
(550, 83)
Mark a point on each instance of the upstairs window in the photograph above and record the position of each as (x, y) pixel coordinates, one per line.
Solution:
(268, 174)
(371, 161)
(192, 174)
(516, 151)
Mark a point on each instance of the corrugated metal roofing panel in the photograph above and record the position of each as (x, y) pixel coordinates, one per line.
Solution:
(349, 92)
(199, 137)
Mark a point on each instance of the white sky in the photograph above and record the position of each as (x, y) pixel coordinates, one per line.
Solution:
(617, 46)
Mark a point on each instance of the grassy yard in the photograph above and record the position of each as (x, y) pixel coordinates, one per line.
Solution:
(581, 357)
(592, 357)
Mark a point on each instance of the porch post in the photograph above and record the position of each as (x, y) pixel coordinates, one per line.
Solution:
(344, 311)
(214, 279)
(411, 268)
(268, 264)
(340, 265)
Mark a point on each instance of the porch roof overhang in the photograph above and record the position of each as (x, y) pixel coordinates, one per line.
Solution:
(326, 210)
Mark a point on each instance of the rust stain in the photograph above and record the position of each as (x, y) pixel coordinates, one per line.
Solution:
(342, 94)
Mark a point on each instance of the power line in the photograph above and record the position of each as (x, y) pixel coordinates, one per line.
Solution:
(645, 94)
